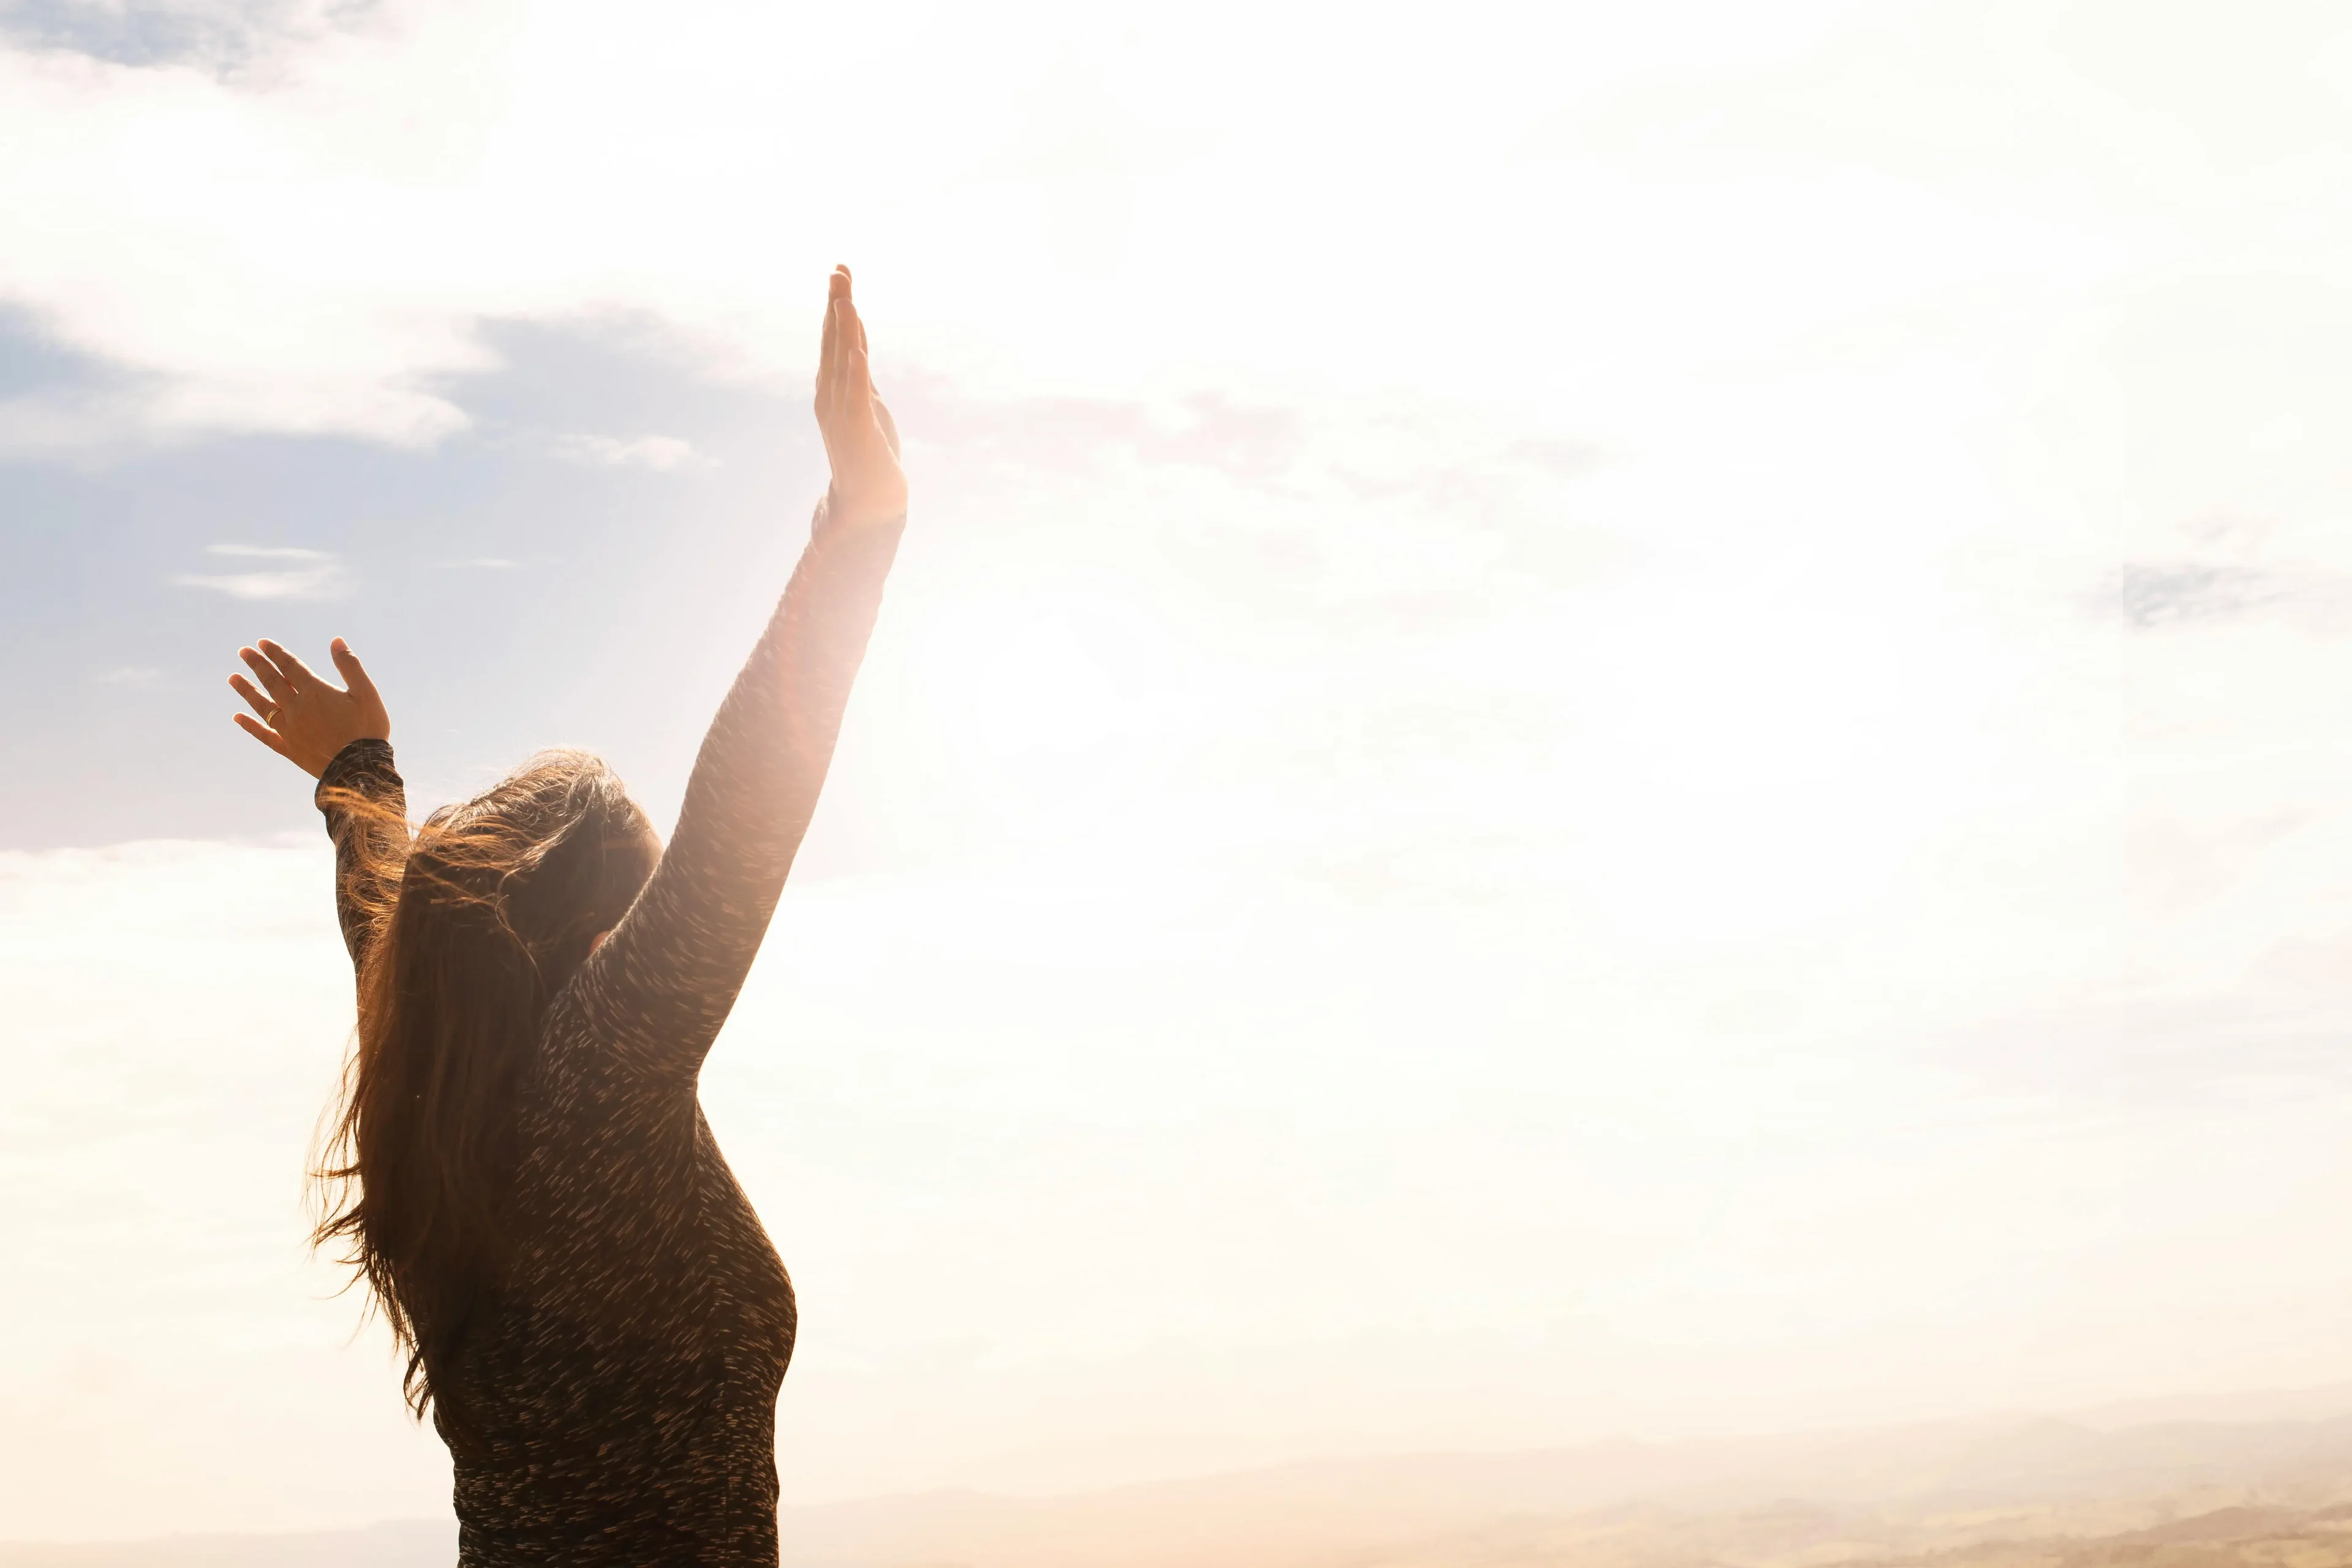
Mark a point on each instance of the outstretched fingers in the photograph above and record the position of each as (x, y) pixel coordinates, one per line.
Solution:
(255, 698)
(263, 733)
(833, 355)
(301, 715)
(273, 680)
(842, 388)
(843, 334)
(824, 358)
(858, 390)
(355, 674)
(298, 673)
(861, 439)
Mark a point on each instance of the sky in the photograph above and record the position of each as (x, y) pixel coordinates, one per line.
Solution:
(1598, 721)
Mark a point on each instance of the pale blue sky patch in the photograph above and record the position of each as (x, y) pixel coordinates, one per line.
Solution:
(218, 34)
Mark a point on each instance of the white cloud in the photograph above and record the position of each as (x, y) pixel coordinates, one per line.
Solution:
(662, 454)
(306, 252)
(319, 575)
(268, 551)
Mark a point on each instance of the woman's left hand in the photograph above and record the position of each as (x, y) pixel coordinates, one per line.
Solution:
(303, 718)
(860, 439)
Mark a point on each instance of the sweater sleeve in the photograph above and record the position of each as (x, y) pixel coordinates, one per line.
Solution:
(658, 990)
(364, 801)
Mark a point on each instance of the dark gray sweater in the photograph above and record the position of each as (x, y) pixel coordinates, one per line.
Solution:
(625, 1381)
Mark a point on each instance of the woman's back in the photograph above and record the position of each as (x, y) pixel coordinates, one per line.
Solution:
(613, 1401)
(594, 1311)
(623, 1390)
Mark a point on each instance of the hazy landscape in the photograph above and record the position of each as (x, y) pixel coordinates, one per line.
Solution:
(2145, 1488)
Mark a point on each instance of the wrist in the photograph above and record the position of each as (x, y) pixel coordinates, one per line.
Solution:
(861, 513)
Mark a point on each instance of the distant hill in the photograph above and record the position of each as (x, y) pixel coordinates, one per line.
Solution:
(2232, 1537)
(1988, 1494)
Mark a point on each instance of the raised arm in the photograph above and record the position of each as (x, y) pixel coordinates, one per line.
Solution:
(366, 809)
(658, 990)
(341, 737)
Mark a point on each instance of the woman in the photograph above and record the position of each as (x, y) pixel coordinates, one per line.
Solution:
(522, 1172)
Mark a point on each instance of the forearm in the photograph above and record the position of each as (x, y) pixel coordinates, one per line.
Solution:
(662, 985)
(764, 762)
(361, 797)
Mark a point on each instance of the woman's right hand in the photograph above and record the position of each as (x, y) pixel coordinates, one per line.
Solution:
(861, 441)
(303, 718)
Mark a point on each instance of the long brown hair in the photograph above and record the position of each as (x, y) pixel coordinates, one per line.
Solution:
(469, 930)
